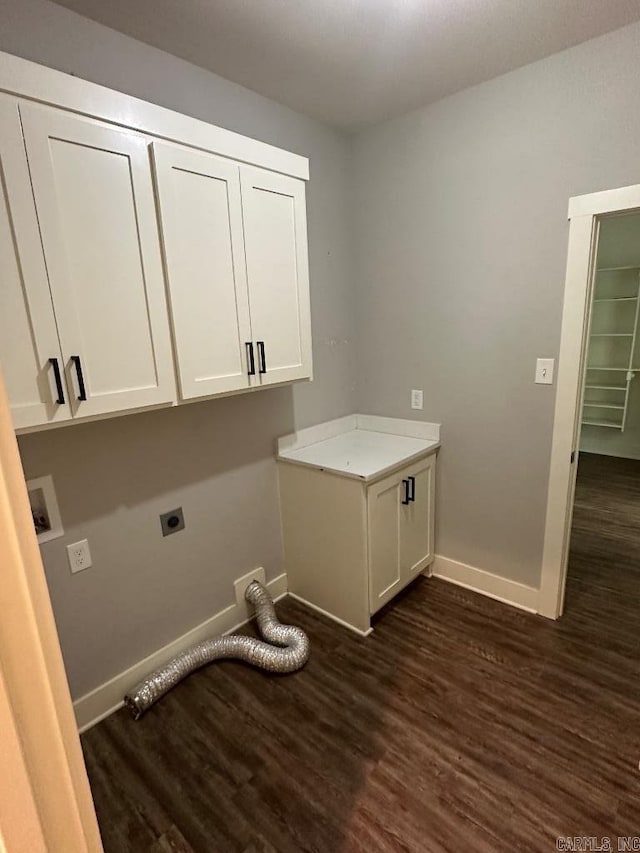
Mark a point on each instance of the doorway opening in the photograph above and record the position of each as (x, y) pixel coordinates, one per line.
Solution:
(604, 546)
(592, 537)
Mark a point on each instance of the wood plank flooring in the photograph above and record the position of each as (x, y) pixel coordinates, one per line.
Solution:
(460, 724)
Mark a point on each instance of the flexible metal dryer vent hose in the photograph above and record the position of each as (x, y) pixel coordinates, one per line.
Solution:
(286, 649)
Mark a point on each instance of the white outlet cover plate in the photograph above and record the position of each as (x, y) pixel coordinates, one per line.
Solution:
(79, 556)
(544, 371)
(242, 583)
(417, 398)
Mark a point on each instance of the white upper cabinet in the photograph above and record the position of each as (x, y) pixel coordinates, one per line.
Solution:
(30, 355)
(275, 233)
(201, 215)
(94, 197)
(137, 248)
(236, 258)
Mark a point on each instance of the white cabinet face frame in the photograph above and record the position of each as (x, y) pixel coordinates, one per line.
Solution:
(27, 322)
(96, 208)
(275, 235)
(201, 216)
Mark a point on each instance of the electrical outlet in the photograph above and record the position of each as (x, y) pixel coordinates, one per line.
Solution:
(79, 556)
(242, 583)
(416, 399)
(172, 521)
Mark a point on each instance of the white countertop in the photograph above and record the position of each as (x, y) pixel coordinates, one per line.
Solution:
(360, 446)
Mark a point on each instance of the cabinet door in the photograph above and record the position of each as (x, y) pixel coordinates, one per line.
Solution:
(96, 208)
(275, 232)
(417, 519)
(201, 217)
(28, 335)
(383, 508)
(401, 527)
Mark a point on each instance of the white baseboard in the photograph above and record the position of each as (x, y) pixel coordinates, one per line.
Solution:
(486, 583)
(331, 616)
(108, 697)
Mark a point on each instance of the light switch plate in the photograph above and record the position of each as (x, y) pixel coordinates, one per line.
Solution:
(544, 371)
(416, 399)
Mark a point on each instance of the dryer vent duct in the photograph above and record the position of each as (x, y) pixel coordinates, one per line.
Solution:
(284, 648)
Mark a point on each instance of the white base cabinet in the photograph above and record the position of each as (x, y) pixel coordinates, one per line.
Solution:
(351, 545)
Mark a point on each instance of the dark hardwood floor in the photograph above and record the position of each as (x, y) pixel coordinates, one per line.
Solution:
(460, 724)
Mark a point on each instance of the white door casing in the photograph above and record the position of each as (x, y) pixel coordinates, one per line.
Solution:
(583, 230)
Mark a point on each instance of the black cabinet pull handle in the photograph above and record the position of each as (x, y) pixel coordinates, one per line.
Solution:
(58, 379)
(407, 498)
(252, 362)
(412, 483)
(83, 393)
(262, 357)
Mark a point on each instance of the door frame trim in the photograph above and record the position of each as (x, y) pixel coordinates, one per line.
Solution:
(584, 213)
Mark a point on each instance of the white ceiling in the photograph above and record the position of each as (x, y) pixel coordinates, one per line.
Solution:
(355, 62)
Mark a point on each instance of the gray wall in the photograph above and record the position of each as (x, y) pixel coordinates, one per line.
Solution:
(619, 245)
(215, 458)
(459, 223)
(461, 235)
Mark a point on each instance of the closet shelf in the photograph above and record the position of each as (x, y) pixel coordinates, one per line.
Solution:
(589, 405)
(604, 367)
(610, 407)
(614, 269)
(606, 387)
(589, 422)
